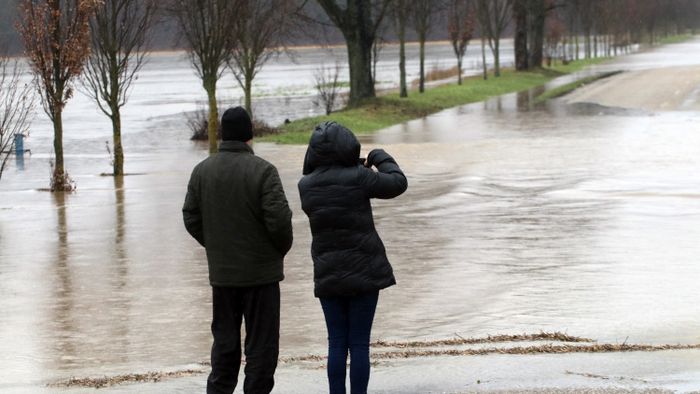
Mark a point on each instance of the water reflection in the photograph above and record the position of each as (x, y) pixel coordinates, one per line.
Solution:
(119, 304)
(19, 162)
(527, 99)
(62, 321)
(120, 229)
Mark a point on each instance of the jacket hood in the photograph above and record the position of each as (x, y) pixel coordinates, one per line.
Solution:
(331, 144)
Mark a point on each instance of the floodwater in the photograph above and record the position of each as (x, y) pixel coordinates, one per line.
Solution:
(518, 218)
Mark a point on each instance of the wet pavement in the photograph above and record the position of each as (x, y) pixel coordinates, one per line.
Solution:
(518, 218)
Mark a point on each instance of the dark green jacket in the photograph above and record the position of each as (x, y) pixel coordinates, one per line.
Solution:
(236, 208)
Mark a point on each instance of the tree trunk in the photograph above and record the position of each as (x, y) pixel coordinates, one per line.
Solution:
(421, 85)
(520, 16)
(497, 58)
(595, 46)
(118, 166)
(213, 123)
(577, 46)
(59, 172)
(375, 60)
(459, 71)
(571, 45)
(402, 59)
(358, 27)
(536, 34)
(248, 92)
(360, 62)
(483, 57)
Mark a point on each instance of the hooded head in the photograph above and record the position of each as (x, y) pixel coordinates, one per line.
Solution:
(331, 144)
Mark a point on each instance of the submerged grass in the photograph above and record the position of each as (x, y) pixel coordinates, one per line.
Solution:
(390, 109)
(516, 350)
(542, 336)
(538, 349)
(570, 87)
(108, 381)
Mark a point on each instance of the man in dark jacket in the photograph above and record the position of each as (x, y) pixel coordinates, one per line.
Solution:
(236, 208)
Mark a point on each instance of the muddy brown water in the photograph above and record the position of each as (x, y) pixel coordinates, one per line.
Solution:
(518, 218)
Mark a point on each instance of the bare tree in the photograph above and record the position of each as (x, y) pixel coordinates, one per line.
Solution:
(460, 27)
(484, 66)
(571, 12)
(493, 16)
(56, 37)
(207, 26)
(119, 30)
(327, 85)
(537, 15)
(358, 21)
(586, 16)
(377, 46)
(260, 31)
(16, 107)
(423, 13)
(530, 22)
(554, 40)
(401, 12)
(520, 15)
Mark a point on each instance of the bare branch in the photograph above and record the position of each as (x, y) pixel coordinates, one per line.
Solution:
(119, 38)
(327, 86)
(207, 26)
(16, 107)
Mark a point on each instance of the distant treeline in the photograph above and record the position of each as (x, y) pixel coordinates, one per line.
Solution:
(648, 18)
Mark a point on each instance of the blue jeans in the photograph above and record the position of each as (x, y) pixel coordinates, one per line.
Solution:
(349, 323)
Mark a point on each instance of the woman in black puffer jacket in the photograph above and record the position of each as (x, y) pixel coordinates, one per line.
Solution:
(350, 263)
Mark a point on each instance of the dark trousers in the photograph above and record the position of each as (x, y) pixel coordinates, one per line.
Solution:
(259, 306)
(349, 323)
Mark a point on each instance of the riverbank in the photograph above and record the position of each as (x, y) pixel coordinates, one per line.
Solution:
(629, 372)
(394, 357)
(390, 109)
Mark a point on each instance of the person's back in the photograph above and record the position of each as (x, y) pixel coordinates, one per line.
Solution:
(349, 257)
(236, 208)
(350, 263)
(245, 239)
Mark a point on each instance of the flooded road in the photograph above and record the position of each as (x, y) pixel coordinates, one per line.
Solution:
(518, 218)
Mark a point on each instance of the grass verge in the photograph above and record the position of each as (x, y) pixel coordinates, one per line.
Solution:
(387, 110)
(570, 87)
(674, 39)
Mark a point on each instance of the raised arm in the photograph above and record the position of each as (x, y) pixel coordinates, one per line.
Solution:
(389, 181)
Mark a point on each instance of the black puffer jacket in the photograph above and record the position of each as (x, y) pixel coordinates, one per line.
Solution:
(349, 257)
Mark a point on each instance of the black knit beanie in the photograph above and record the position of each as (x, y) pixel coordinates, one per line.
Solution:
(236, 125)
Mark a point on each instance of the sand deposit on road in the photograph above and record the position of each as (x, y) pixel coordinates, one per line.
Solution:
(664, 89)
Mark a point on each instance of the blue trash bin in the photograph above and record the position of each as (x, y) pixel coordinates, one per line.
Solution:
(19, 144)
